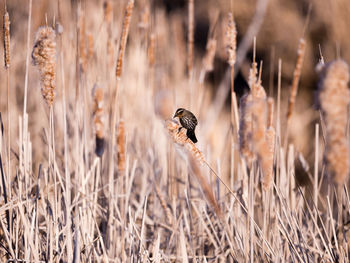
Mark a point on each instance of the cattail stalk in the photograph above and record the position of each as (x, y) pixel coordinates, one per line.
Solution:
(123, 40)
(295, 83)
(6, 35)
(190, 38)
(231, 35)
(334, 98)
(118, 72)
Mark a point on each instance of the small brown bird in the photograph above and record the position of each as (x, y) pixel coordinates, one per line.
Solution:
(188, 121)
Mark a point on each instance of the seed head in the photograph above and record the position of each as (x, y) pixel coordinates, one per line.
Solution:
(44, 56)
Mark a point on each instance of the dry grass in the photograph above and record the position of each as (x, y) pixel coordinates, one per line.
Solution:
(113, 178)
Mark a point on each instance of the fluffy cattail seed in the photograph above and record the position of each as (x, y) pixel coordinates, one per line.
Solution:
(231, 35)
(6, 32)
(44, 56)
(334, 98)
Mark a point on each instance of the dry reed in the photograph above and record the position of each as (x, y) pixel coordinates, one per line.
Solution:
(334, 98)
(44, 56)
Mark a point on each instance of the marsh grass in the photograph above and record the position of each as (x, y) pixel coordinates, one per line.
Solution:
(152, 195)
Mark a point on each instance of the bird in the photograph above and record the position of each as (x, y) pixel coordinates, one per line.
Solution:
(188, 121)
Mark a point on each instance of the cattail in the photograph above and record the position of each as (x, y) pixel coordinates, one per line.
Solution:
(190, 37)
(108, 9)
(6, 32)
(124, 37)
(194, 156)
(245, 128)
(44, 56)
(231, 35)
(58, 28)
(150, 50)
(334, 98)
(90, 46)
(110, 52)
(121, 146)
(296, 77)
(98, 113)
(208, 60)
(144, 17)
(82, 44)
(181, 138)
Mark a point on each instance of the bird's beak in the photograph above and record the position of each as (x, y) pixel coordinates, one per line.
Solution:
(175, 115)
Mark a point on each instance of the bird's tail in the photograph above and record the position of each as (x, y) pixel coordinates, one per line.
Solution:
(190, 134)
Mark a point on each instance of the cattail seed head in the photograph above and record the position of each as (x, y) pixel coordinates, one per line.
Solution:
(82, 44)
(245, 128)
(121, 146)
(124, 37)
(296, 77)
(98, 112)
(108, 9)
(151, 49)
(179, 136)
(90, 46)
(231, 35)
(44, 56)
(334, 98)
(208, 60)
(6, 32)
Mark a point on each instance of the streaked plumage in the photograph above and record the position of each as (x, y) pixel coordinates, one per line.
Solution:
(188, 121)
